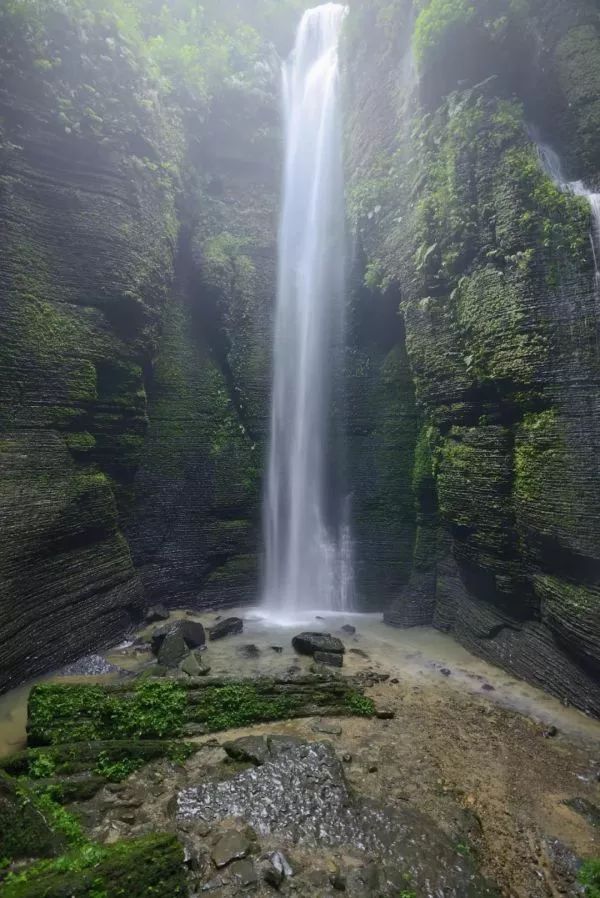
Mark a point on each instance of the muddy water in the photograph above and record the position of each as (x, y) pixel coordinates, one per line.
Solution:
(421, 656)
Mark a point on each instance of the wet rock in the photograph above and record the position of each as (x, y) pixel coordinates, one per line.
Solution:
(194, 665)
(227, 627)
(487, 687)
(277, 648)
(323, 726)
(244, 873)
(260, 749)
(173, 649)
(230, 847)
(89, 665)
(550, 732)
(563, 860)
(274, 868)
(156, 613)
(395, 681)
(586, 809)
(331, 659)
(445, 672)
(347, 757)
(359, 652)
(279, 745)
(249, 651)
(348, 628)
(309, 643)
(192, 632)
(372, 768)
(385, 713)
(303, 791)
(253, 749)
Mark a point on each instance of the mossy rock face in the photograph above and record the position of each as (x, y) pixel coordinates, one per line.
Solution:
(101, 760)
(152, 865)
(89, 232)
(24, 830)
(492, 269)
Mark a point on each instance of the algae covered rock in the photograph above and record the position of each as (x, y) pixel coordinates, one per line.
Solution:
(309, 643)
(152, 865)
(230, 626)
(25, 831)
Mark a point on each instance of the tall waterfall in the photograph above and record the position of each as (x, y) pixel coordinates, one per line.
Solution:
(308, 547)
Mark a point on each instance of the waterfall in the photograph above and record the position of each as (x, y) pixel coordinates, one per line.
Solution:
(307, 538)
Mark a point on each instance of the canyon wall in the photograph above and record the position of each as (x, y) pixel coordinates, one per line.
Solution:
(492, 269)
(137, 278)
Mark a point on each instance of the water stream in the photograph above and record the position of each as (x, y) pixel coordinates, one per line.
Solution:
(308, 546)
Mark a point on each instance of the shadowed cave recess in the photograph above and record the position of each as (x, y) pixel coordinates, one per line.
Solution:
(139, 201)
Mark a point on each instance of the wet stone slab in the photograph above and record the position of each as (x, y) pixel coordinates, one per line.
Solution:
(301, 796)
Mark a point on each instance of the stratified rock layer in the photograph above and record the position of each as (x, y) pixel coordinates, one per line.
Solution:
(491, 266)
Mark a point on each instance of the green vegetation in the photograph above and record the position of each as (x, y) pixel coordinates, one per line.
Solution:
(360, 705)
(589, 877)
(59, 714)
(435, 20)
(152, 865)
(183, 45)
(236, 705)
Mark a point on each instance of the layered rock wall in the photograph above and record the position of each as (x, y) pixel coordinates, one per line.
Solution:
(494, 270)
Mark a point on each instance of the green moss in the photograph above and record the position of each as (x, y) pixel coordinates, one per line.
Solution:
(436, 19)
(237, 705)
(360, 704)
(59, 714)
(589, 877)
(152, 865)
(81, 757)
(80, 443)
(25, 828)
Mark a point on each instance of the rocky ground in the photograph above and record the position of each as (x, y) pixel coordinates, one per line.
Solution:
(444, 793)
(497, 785)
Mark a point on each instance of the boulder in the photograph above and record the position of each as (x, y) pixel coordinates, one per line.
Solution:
(173, 649)
(332, 659)
(194, 666)
(229, 626)
(348, 628)
(156, 613)
(309, 643)
(231, 847)
(192, 632)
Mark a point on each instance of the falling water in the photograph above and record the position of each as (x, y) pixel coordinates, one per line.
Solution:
(308, 547)
(551, 163)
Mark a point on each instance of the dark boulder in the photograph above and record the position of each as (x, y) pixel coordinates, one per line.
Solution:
(348, 628)
(227, 627)
(173, 649)
(190, 631)
(332, 659)
(194, 665)
(309, 643)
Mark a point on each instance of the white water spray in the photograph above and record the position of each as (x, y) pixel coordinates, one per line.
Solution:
(308, 548)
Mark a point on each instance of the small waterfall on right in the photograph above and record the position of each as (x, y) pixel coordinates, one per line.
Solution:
(552, 165)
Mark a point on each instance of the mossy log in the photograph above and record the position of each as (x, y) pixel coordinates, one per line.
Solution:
(136, 868)
(158, 709)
